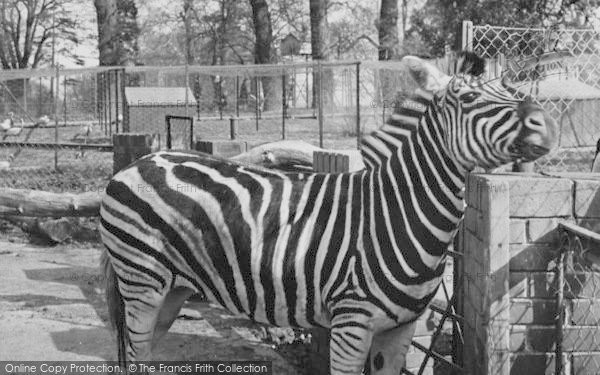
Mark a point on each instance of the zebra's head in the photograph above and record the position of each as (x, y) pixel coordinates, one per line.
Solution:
(484, 123)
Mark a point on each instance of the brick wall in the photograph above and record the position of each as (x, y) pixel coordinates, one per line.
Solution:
(510, 249)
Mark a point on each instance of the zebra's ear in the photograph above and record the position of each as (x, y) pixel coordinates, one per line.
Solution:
(427, 76)
(470, 63)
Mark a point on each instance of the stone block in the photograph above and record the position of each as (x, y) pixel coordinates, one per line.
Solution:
(532, 257)
(587, 199)
(540, 197)
(517, 231)
(542, 230)
(225, 149)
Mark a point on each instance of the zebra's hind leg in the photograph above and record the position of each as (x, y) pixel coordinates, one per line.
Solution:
(134, 309)
(170, 309)
(349, 345)
(389, 348)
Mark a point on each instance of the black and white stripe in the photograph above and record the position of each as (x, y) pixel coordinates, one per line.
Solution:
(358, 252)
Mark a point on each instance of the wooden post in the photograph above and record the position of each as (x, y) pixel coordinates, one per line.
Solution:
(232, 128)
(128, 147)
(237, 96)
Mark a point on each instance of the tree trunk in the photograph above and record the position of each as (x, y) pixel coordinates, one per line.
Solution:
(263, 31)
(388, 29)
(319, 36)
(117, 31)
(106, 14)
(388, 45)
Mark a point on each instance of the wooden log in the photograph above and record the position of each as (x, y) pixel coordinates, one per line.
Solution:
(22, 202)
(35, 203)
(51, 230)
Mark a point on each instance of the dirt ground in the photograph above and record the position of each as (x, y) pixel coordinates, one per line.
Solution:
(52, 307)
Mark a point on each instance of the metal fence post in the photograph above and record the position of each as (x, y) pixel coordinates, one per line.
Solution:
(358, 135)
(320, 101)
(466, 36)
(56, 118)
(283, 106)
(116, 100)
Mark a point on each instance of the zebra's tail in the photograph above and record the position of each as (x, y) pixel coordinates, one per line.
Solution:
(116, 307)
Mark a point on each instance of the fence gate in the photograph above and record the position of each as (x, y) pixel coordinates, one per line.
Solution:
(568, 88)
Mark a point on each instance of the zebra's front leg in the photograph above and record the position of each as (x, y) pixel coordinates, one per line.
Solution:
(349, 344)
(389, 348)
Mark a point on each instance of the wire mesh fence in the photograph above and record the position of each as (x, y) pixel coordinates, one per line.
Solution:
(51, 136)
(578, 302)
(568, 87)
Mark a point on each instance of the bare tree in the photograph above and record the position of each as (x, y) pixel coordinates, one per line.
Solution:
(27, 28)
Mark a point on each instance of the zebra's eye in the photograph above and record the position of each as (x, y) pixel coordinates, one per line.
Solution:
(469, 97)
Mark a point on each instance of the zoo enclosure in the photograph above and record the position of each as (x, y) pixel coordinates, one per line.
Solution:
(64, 118)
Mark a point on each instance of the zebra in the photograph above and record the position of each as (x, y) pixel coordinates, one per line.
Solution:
(360, 253)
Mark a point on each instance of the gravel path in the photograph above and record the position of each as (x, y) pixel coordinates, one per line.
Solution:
(52, 308)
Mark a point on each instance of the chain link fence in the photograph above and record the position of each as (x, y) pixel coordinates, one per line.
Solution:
(578, 302)
(568, 88)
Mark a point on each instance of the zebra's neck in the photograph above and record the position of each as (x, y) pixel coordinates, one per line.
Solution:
(413, 171)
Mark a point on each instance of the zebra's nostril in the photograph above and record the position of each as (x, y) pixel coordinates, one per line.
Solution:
(535, 122)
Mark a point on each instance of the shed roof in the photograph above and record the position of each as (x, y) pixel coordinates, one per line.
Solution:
(158, 96)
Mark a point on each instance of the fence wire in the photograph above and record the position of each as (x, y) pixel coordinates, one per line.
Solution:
(578, 302)
(568, 88)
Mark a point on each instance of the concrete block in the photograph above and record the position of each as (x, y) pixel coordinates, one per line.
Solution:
(540, 197)
(225, 149)
(517, 231)
(587, 199)
(530, 311)
(542, 230)
(532, 257)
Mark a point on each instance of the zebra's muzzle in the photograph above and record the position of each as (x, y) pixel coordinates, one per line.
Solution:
(528, 151)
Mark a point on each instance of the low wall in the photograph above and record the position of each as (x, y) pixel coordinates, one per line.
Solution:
(510, 243)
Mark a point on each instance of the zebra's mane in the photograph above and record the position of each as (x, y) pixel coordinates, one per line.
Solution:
(408, 110)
